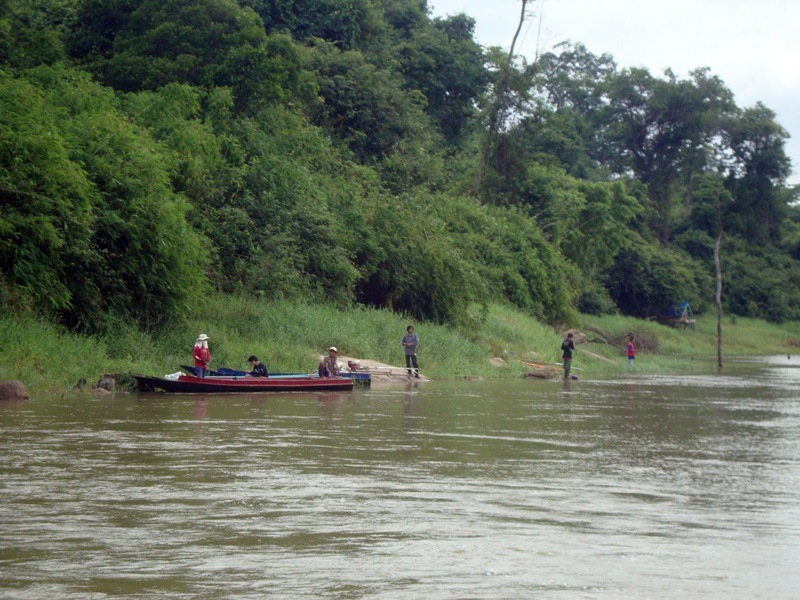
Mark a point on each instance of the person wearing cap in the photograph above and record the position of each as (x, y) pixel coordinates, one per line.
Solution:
(202, 355)
(259, 368)
(328, 366)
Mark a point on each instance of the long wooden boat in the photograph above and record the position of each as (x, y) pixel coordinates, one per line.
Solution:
(360, 377)
(189, 384)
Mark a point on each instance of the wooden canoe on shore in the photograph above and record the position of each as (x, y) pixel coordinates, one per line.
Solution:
(189, 384)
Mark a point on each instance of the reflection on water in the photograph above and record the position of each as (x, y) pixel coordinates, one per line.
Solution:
(637, 487)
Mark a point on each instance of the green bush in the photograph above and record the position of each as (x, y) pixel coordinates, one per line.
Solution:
(647, 279)
(96, 231)
(761, 283)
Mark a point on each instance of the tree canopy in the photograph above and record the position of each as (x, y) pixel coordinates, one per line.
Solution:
(363, 152)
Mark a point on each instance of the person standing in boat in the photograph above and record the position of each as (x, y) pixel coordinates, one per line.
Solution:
(202, 355)
(259, 368)
(328, 367)
(411, 341)
(568, 347)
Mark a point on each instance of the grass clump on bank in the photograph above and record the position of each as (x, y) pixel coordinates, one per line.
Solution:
(291, 336)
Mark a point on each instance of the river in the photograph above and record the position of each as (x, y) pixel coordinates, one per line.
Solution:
(637, 487)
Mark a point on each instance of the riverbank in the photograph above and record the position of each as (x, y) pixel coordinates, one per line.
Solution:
(501, 343)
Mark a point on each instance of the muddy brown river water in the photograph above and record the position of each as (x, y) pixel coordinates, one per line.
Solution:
(638, 487)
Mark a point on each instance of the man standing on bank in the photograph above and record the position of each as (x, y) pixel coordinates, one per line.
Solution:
(411, 341)
(567, 347)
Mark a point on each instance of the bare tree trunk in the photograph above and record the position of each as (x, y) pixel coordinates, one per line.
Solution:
(687, 203)
(718, 267)
(497, 112)
(719, 299)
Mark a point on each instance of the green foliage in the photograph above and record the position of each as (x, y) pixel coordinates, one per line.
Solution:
(566, 123)
(46, 214)
(359, 151)
(758, 207)
(94, 27)
(295, 202)
(103, 235)
(647, 278)
(700, 212)
(444, 62)
(421, 271)
(295, 220)
(262, 192)
(574, 78)
(594, 299)
(349, 24)
(405, 16)
(602, 225)
(31, 32)
(512, 258)
(208, 43)
(363, 106)
(791, 226)
(760, 282)
(656, 126)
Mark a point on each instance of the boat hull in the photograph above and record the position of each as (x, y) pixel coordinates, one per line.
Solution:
(360, 377)
(189, 384)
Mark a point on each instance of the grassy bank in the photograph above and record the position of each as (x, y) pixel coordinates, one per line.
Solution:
(678, 350)
(290, 337)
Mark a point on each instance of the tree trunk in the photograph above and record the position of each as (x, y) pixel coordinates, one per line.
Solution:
(718, 267)
(498, 108)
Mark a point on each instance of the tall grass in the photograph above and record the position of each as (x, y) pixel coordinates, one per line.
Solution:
(290, 336)
(40, 354)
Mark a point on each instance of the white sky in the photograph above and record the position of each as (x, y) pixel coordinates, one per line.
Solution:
(753, 46)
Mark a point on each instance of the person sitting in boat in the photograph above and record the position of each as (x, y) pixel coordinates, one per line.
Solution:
(328, 367)
(259, 368)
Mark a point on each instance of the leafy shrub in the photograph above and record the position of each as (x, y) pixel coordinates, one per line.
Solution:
(646, 279)
(97, 231)
(761, 283)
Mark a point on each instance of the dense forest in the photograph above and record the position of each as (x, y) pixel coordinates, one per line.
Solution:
(363, 152)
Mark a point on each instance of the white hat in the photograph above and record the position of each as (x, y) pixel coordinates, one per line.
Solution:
(202, 337)
(332, 348)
